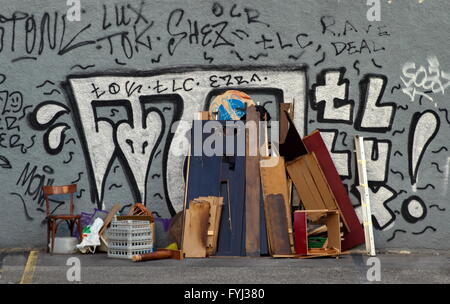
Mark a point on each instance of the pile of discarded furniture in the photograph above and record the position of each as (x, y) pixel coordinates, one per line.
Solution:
(282, 200)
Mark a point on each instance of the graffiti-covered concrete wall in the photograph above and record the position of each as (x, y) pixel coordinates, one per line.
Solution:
(92, 92)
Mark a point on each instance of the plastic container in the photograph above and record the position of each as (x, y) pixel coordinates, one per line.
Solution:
(64, 245)
(129, 238)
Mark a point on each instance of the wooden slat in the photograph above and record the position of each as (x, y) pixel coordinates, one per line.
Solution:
(355, 236)
(252, 186)
(279, 237)
(293, 145)
(299, 174)
(333, 229)
(363, 189)
(322, 185)
(284, 122)
(109, 218)
(301, 235)
(274, 181)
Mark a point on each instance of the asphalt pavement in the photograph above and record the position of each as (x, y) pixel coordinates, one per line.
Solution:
(42, 268)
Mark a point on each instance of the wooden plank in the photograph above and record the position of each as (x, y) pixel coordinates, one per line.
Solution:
(322, 185)
(363, 189)
(318, 202)
(333, 230)
(279, 236)
(274, 181)
(196, 229)
(224, 177)
(355, 236)
(252, 185)
(297, 170)
(293, 146)
(332, 222)
(203, 115)
(285, 109)
(109, 218)
(301, 235)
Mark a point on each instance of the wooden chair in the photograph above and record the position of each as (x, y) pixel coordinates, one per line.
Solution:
(53, 220)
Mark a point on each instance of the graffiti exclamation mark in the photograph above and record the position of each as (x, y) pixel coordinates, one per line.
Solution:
(424, 127)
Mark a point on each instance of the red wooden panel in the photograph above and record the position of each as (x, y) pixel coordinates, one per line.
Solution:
(301, 234)
(314, 143)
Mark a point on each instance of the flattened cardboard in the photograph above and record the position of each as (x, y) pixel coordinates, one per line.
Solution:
(196, 229)
(215, 211)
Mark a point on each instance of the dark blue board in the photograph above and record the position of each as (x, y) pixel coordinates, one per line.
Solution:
(221, 176)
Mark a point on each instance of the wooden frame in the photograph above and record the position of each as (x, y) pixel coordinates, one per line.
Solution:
(331, 219)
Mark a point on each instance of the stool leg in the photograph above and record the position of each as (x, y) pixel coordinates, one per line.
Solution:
(53, 235)
(71, 224)
(48, 235)
(80, 232)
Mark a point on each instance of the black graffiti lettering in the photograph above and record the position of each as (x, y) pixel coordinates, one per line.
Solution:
(185, 84)
(138, 41)
(217, 9)
(105, 26)
(70, 46)
(120, 17)
(173, 22)
(131, 88)
(3, 139)
(283, 46)
(126, 46)
(232, 13)
(109, 38)
(327, 22)
(265, 42)
(30, 27)
(33, 182)
(355, 47)
(227, 79)
(193, 32)
(159, 87)
(13, 143)
(138, 13)
(205, 34)
(240, 80)
(213, 82)
(299, 43)
(174, 88)
(349, 26)
(253, 16)
(222, 25)
(255, 78)
(95, 90)
(51, 37)
(2, 36)
(114, 88)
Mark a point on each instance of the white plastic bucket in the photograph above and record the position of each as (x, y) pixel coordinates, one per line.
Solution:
(64, 245)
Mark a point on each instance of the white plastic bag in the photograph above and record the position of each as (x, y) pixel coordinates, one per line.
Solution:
(93, 238)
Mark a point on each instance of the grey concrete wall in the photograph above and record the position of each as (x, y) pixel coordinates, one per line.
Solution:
(386, 80)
